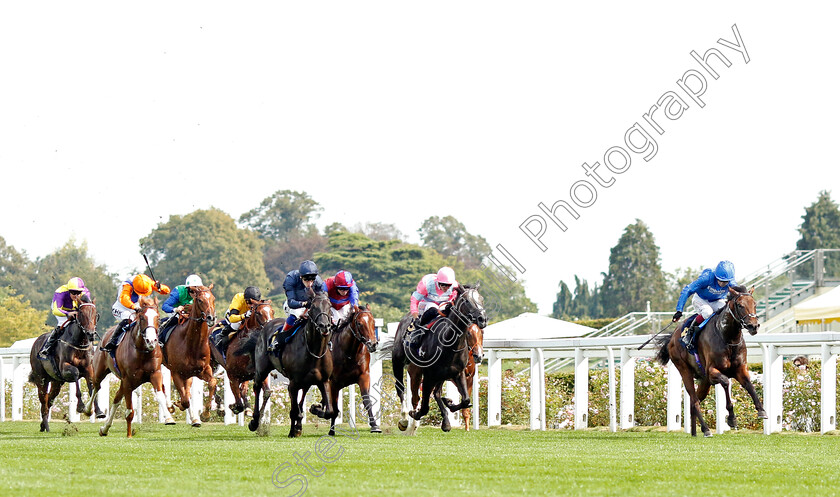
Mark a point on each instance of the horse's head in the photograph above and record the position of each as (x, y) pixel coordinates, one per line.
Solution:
(319, 313)
(87, 317)
(475, 341)
(261, 313)
(204, 305)
(469, 306)
(363, 328)
(741, 305)
(148, 322)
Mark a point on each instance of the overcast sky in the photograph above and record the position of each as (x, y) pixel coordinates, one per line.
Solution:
(114, 118)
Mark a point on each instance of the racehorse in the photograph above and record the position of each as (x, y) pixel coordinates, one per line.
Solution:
(351, 347)
(470, 371)
(441, 355)
(240, 367)
(136, 361)
(305, 361)
(69, 361)
(722, 352)
(186, 352)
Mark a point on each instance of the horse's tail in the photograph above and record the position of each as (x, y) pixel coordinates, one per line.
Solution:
(662, 342)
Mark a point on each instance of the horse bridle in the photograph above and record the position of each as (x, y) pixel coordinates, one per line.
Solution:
(357, 334)
(318, 327)
(255, 306)
(208, 318)
(741, 320)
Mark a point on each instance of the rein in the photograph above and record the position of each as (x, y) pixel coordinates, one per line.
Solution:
(314, 322)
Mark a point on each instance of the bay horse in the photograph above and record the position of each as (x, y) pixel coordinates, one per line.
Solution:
(305, 361)
(442, 355)
(70, 360)
(471, 370)
(351, 347)
(186, 352)
(722, 352)
(136, 360)
(240, 367)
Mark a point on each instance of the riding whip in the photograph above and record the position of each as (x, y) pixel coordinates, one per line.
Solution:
(654, 336)
(151, 273)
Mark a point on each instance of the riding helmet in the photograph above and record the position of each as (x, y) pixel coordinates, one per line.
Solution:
(725, 271)
(446, 276)
(308, 268)
(193, 280)
(76, 283)
(142, 285)
(253, 293)
(343, 279)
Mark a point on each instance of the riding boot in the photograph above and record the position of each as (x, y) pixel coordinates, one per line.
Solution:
(688, 337)
(49, 343)
(277, 341)
(115, 338)
(221, 339)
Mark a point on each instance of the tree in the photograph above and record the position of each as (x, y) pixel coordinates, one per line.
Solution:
(280, 258)
(69, 260)
(16, 271)
(821, 229)
(450, 237)
(379, 231)
(677, 281)
(635, 275)
(18, 319)
(282, 215)
(563, 303)
(208, 243)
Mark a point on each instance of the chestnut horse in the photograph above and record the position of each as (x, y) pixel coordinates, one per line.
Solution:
(442, 355)
(72, 355)
(136, 361)
(240, 367)
(471, 370)
(351, 347)
(305, 361)
(722, 352)
(186, 352)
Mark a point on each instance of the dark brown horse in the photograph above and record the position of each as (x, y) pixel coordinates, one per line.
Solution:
(186, 352)
(69, 361)
(442, 355)
(351, 348)
(137, 361)
(305, 361)
(240, 367)
(722, 352)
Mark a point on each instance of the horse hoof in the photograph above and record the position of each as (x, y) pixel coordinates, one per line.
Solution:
(248, 412)
(102, 433)
(331, 433)
(169, 421)
(204, 416)
(81, 410)
(762, 414)
(101, 415)
(376, 429)
(446, 428)
(707, 434)
(254, 424)
(196, 424)
(403, 424)
(317, 410)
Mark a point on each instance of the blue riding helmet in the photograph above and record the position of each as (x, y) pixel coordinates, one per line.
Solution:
(725, 271)
(308, 268)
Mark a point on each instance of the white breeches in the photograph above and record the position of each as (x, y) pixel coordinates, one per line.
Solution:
(706, 308)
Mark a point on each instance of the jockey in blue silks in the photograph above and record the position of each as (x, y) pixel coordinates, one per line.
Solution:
(710, 290)
(296, 286)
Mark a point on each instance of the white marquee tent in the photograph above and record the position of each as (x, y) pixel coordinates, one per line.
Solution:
(531, 326)
(822, 309)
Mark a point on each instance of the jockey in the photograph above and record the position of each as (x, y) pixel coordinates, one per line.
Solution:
(432, 292)
(296, 286)
(179, 297)
(344, 296)
(126, 305)
(237, 313)
(66, 300)
(710, 290)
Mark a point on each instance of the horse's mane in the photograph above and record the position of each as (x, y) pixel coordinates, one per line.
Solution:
(146, 302)
(85, 299)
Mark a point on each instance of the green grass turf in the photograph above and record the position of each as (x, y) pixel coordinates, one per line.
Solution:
(232, 461)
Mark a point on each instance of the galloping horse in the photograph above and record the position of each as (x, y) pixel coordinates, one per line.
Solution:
(442, 355)
(137, 361)
(471, 369)
(70, 360)
(186, 352)
(351, 347)
(305, 361)
(722, 352)
(240, 367)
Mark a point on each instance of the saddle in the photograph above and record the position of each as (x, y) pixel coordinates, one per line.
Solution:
(278, 339)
